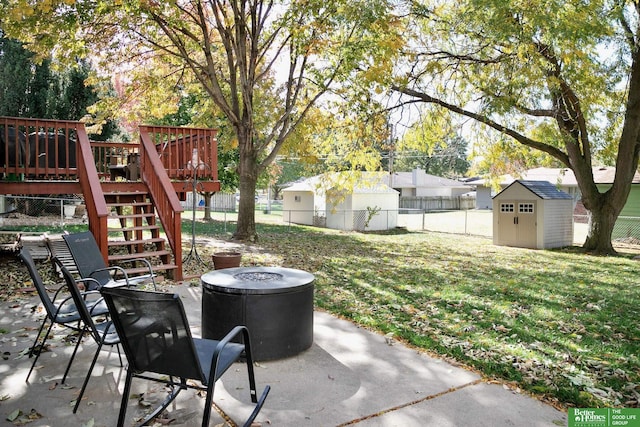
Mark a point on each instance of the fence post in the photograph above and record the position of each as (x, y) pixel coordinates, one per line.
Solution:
(466, 221)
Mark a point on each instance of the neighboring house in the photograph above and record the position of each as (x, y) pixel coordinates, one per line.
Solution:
(365, 205)
(563, 179)
(533, 214)
(417, 183)
(421, 191)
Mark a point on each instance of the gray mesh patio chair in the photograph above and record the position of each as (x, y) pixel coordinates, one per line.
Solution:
(60, 310)
(103, 333)
(90, 263)
(174, 356)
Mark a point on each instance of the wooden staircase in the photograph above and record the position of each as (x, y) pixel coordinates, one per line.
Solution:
(134, 232)
(137, 217)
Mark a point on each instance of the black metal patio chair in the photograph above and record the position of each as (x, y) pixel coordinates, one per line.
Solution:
(63, 311)
(103, 333)
(90, 263)
(167, 357)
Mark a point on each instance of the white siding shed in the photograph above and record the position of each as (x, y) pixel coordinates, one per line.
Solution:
(532, 214)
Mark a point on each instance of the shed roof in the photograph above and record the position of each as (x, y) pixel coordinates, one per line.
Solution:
(543, 189)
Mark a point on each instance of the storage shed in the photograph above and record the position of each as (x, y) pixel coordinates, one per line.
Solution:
(361, 202)
(532, 214)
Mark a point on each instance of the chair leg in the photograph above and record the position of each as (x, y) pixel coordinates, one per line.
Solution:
(119, 355)
(170, 398)
(208, 402)
(73, 355)
(252, 383)
(35, 342)
(86, 379)
(258, 407)
(125, 398)
(252, 390)
(44, 341)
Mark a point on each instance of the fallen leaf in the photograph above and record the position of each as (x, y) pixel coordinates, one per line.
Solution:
(15, 414)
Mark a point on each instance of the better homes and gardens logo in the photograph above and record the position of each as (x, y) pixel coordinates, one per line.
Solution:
(604, 417)
(588, 417)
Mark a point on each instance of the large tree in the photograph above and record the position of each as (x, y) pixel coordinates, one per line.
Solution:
(558, 76)
(264, 63)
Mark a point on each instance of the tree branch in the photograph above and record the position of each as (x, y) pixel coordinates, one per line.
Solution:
(423, 97)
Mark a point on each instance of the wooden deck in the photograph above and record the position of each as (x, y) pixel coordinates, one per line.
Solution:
(44, 157)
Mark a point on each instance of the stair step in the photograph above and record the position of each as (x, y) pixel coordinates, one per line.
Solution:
(133, 216)
(146, 254)
(141, 228)
(125, 193)
(124, 243)
(124, 204)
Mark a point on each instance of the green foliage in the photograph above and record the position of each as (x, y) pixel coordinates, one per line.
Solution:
(555, 76)
(24, 85)
(432, 144)
(37, 89)
(263, 65)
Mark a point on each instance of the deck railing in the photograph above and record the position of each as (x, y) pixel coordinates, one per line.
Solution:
(163, 194)
(38, 149)
(180, 148)
(96, 206)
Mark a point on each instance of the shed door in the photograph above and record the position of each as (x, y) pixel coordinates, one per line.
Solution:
(527, 225)
(517, 222)
(507, 223)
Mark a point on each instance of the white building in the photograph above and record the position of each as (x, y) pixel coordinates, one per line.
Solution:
(347, 201)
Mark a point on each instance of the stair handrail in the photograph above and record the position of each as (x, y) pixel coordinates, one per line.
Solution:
(163, 194)
(95, 202)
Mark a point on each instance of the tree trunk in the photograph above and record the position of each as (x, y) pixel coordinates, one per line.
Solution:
(603, 213)
(248, 178)
(246, 228)
(207, 206)
(601, 223)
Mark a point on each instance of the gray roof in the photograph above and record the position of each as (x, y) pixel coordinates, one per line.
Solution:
(561, 176)
(543, 189)
(366, 183)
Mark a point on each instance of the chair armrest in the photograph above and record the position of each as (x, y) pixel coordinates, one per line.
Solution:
(112, 271)
(146, 262)
(126, 278)
(237, 330)
(55, 295)
(62, 303)
(90, 280)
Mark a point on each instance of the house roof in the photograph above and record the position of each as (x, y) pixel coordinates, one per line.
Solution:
(543, 189)
(418, 178)
(369, 182)
(308, 184)
(561, 176)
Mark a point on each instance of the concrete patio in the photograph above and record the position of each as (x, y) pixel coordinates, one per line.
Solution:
(349, 376)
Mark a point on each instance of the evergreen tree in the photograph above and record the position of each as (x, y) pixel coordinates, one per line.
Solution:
(23, 84)
(29, 89)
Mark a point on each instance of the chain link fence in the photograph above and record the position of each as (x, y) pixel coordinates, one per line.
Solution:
(22, 211)
(27, 211)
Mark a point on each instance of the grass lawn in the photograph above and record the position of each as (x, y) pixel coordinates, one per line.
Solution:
(559, 324)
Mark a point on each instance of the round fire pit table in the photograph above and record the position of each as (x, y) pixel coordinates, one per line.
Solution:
(274, 303)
